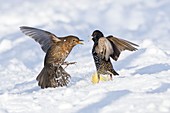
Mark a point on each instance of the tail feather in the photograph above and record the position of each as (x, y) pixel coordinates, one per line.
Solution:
(52, 76)
(114, 72)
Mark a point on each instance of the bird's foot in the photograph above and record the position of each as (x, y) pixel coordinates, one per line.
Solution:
(68, 63)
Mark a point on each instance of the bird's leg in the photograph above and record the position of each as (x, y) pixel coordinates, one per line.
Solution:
(111, 77)
(98, 75)
(110, 73)
(68, 63)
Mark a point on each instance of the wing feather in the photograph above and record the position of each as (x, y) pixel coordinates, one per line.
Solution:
(112, 47)
(120, 45)
(44, 38)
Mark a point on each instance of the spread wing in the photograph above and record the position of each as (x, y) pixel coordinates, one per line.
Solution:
(112, 47)
(44, 38)
(120, 45)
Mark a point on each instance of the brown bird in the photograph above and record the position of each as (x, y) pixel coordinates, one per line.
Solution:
(106, 47)
(57, 49)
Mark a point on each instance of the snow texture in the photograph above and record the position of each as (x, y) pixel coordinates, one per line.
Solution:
(144, 82)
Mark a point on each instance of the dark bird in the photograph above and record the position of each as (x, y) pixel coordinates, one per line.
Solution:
(57, 49)
(106, 47)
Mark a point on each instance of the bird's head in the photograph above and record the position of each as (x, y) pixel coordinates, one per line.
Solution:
(73, 40)
(96, 35)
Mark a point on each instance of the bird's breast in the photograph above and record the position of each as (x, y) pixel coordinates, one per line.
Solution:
(56, 55)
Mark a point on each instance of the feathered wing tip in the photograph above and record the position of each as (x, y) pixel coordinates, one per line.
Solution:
(123, 44)
(120, 45)
(43, 37)
(112, 46)
(51, 76)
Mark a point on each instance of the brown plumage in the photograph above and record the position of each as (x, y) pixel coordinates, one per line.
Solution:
(106, 47)
(57, 49)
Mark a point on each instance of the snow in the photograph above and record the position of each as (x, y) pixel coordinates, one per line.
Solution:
(144, 82)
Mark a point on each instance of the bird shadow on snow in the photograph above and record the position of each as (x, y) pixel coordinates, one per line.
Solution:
(163, 88)
(107, 100)
(151, 69)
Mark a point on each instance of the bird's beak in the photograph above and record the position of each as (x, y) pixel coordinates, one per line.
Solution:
(80, 42)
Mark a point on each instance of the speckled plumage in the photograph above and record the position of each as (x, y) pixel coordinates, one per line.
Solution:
(106, 47)
(57, 49)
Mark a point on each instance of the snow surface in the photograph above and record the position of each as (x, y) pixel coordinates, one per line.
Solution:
(144, 82)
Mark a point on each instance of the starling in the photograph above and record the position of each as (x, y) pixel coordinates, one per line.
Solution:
(57, 49)
(106, 47)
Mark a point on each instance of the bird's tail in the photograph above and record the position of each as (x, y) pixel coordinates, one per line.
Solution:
(53, 76)
(114, 72)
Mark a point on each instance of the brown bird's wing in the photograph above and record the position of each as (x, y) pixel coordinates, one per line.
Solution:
(120, 45)
(44, 38)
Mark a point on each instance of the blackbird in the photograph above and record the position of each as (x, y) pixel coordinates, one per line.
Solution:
(57, 49)
(106, 47)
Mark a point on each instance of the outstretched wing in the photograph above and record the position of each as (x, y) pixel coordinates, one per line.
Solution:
(120, 45)
(44, 38)
(112, 47)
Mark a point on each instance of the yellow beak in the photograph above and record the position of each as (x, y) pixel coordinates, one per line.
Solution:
(80, 42)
